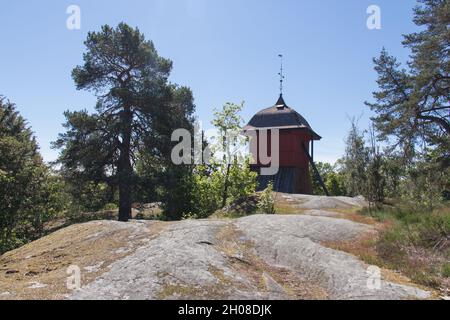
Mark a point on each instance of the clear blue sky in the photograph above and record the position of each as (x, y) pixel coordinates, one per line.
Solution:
(225, 50)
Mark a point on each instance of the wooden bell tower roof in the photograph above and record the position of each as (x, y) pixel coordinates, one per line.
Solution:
(280, 116)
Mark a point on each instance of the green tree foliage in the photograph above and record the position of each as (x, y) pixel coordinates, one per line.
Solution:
(411, 119)
(424, 184)
(137, 110)
(375, 191)
(28, 194)
(333, 179)
(228, 123)
(209, 186)
(366, 170)
(150, 172)
(362, 170)
(354, 163)
(413, 111)
(242, 181)
(335, 184)
(412, 105)
(178, 192)
(394, 175)
(227, 178)
(200, 194)
(325, 169)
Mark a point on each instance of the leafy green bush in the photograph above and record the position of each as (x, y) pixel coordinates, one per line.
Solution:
(242, 182)
(206, 193)
(333, 179)
(266, 203)
(110, 207)
(206, 189)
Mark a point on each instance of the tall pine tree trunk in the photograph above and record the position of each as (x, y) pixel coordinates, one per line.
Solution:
(125, 170)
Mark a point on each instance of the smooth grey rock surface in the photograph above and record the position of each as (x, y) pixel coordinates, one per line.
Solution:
(302, 201)
(294, 242)
(247, 258)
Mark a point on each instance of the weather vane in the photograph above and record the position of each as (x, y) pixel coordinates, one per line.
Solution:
(281, 74)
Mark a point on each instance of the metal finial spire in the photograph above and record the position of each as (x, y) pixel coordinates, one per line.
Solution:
(281, 74)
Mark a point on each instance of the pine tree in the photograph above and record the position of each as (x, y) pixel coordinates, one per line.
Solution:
(354, 163)
(137, 110)
(25, 187)
(412, 104)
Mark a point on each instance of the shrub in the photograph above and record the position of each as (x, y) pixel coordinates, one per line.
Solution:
(266, 203)
(110, 207)
(417, 242)
(446, 270)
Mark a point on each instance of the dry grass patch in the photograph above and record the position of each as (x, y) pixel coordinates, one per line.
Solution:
(355, 216)
(363, 247)
(366, 249)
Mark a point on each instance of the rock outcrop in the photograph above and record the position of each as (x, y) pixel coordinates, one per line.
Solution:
(255, 257)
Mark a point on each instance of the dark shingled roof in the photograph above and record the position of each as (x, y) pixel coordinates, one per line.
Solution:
(280, 116)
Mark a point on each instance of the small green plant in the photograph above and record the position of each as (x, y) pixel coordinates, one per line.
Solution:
(266, 204)
(190, 216)
(110, 207)
(446, 270)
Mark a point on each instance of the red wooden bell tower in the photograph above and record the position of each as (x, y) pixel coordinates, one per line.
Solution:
(296, 148)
